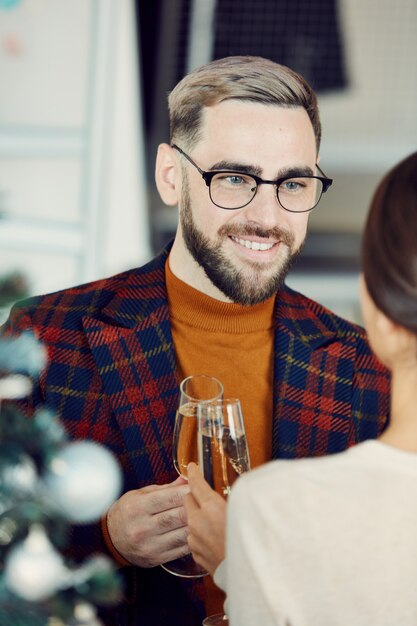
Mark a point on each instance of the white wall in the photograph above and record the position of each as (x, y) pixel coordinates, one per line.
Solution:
(372, 124)
(73, 205)
(367, 128)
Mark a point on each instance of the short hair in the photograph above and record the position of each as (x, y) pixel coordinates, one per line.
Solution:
(244, 78)
(389, 245)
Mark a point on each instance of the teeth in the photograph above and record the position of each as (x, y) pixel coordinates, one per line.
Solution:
(253, 245)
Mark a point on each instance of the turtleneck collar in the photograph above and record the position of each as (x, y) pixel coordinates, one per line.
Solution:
(195, 308)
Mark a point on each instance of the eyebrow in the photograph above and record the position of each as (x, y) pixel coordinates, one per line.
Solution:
(233, 166)
(285, 172)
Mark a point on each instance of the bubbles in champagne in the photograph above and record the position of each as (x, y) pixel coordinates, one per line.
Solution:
(222, 459)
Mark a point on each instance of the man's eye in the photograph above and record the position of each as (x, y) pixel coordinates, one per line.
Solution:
(227, 180)
(235, 179)
(239, 180)
(292, 185)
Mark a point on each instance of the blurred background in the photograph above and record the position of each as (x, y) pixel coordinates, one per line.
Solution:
(83, 108)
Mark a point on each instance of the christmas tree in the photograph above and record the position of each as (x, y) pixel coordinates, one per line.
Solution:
(47, 483)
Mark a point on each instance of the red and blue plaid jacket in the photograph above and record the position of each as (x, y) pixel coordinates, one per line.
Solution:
(111, 377)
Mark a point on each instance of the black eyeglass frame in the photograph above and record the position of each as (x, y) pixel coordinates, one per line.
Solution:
(208, 176)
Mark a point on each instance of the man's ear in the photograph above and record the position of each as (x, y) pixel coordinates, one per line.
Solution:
(167, 175)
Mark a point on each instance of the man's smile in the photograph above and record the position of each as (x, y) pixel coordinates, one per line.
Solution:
(253, 245)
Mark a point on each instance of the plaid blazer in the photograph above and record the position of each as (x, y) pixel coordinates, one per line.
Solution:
(112, 378)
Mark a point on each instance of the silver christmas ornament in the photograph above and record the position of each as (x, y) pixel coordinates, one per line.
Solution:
(84, 478)
(34, 570)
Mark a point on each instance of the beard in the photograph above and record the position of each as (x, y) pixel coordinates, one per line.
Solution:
(247, 286)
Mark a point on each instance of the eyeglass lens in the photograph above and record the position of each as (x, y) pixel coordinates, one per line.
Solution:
(234, 191)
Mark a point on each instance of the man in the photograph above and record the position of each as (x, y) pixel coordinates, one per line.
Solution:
(242, 168)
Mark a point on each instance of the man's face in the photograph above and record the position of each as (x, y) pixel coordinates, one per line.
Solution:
(268, 141)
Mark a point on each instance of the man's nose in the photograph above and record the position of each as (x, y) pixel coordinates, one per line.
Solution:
(264, 208)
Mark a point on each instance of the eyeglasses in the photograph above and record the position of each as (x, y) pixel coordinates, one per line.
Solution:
(234, 190)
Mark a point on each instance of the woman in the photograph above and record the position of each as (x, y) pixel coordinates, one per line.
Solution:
(333, 541)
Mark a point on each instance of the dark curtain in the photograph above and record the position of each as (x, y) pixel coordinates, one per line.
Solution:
(302, 34)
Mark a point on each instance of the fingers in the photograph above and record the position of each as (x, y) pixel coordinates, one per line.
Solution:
(190, 505)
(206, 514)
(170, 520)
(169, 497)
(160, 549)
(148, 526)
(178, 481)
(177, 553)
(200, 489)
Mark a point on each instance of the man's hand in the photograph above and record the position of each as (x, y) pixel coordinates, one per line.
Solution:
(148, 526)
(206, 514)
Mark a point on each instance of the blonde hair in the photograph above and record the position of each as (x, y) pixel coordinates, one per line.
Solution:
(245, 78)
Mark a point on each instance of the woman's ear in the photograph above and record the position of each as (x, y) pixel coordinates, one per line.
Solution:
(167, 175)
(384, 324)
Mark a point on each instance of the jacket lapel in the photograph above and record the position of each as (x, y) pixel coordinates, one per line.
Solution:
(133, 350)
(312, 385)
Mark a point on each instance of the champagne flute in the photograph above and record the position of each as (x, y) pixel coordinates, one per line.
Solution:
(223, 451)
(223, 454)
(195, 391)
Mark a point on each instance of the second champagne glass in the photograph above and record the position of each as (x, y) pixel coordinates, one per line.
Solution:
(195, 391)
(223, 454)
(223, 450)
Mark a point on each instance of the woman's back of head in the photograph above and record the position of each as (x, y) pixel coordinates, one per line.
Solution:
(389, 245)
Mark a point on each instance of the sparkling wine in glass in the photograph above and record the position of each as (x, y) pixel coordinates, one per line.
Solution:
(223, 454)
(223, 450)
(195, 391)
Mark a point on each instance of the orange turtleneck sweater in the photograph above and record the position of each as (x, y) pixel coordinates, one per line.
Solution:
(234, 343)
